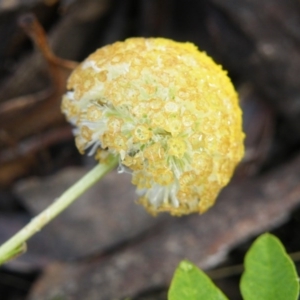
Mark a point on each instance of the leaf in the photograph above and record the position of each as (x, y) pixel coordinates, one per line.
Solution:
(190, 283)
(269, 272)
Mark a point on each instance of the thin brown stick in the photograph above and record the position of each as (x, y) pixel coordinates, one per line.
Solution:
(35, 31)
(36, 143)
(24, 101)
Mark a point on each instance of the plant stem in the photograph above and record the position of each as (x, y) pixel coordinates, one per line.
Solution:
(15, 244)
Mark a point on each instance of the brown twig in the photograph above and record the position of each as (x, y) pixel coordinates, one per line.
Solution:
(35, 31)
(21, 118)
(24, 101)
(46, 111)
(36, 143)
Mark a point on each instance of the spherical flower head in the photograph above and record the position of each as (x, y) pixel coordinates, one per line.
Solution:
(170, 113)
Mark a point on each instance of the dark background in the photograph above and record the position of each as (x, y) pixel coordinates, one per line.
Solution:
(105, 246)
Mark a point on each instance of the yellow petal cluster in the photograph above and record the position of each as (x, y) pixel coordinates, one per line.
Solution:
(170, 113)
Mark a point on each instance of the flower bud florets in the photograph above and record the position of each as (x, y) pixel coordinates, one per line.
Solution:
(169, 112)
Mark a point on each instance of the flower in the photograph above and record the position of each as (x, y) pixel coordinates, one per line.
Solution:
(170, 113)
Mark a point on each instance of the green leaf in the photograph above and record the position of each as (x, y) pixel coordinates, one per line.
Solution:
(190, 283)
(269, 272)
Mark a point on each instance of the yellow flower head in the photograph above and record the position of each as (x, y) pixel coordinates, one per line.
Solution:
(168, 111)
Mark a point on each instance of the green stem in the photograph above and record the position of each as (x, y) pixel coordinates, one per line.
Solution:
(15, 245)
